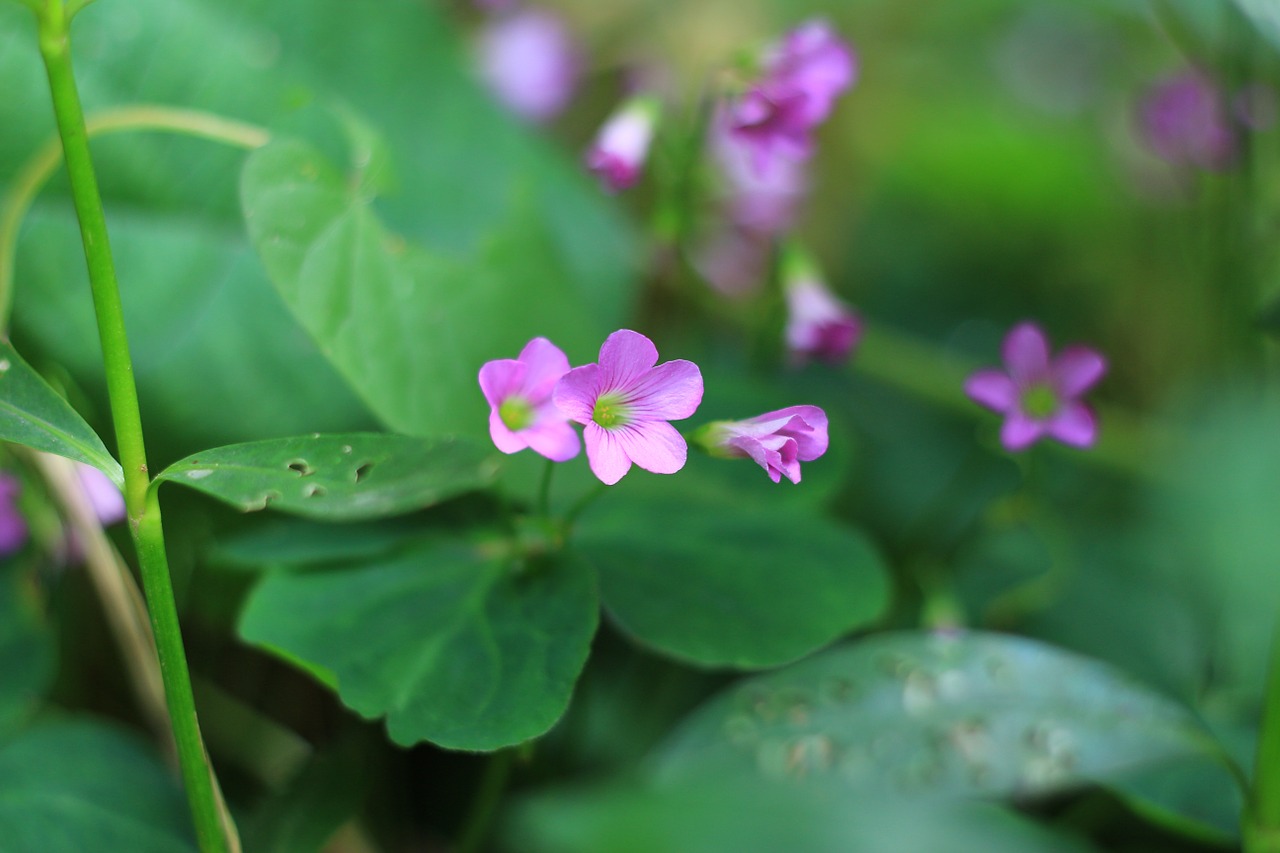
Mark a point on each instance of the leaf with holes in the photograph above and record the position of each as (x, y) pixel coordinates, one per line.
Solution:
(447, 642)
(966, 715)
(36, 416)
(337, 477)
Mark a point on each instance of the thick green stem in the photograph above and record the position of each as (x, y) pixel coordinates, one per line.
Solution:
(140, 500)
(1262, 817)
(485, 804)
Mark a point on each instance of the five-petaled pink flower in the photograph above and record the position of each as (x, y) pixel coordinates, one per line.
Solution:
(1039, 396)
(521, 412)
(618, 153)
(777, 441)
(624, 403)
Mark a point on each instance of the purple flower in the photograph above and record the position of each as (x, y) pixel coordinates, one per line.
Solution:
(801, 78)
(521, 413)
(104, 497)
(1184, 122)
(620, 149)
(818, 325)
(624, 402)
(13, 527)
(777, 441)
(1038, 396)
(760, 201)
(529, 61)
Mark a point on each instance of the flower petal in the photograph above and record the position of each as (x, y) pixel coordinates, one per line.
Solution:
(576, 392)
(1026, 353)
(503, 438)
(1019, 431)
(1076, 369)
(545, 364)
(670, 391)
(993, 389)
(653, 445)
(554, 439)
(1074, 424)
(500, 379)
(625, 357)
(605, 454)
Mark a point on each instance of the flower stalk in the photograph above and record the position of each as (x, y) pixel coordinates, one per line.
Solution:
(213, 835)
(1262, 814)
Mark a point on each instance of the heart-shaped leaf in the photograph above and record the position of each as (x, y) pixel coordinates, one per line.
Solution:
(447, 642)
(33, 414)
(337, 477)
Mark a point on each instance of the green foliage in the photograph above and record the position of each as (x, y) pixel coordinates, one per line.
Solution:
(33, 414)
(74, 785)
(726, 585)
(450, 642)
(27, 654)
(337, 477)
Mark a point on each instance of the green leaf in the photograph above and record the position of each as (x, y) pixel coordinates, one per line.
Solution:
(73, 786)
(447, 642)
(408, 328)
(27, 654)
(1265, 15)
(723, 585)
(33, 414)
(337, 477)
(965, 715)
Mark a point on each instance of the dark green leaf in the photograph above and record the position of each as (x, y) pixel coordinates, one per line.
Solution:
(969, 714)
(33, 414)
(446, 642)
(724, 585)
(336, 477)
(76, 786)
(27, 653)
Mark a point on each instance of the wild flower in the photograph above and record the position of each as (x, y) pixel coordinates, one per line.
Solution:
(776, 441)
(521, 412)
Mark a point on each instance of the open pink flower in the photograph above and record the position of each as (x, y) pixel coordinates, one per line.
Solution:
(521, 413)
(624, 403)
(621, 147)
(1037, 395)
(777, 441)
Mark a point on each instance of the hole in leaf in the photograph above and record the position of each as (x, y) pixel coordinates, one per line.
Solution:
(363, 471)
(300, 467)
(314, 491)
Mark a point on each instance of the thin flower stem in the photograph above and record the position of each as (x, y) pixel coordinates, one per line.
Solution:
(544, 489)
(480, 819)
(571, 517)
(37, 170)
(1262, 815)
(140, 501)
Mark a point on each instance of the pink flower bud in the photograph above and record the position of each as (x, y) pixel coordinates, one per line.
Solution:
(776, 441)
(622, 145)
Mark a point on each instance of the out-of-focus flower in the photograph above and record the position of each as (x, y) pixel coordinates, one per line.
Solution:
(801, 77)
(732, 261)
(622, 145)
(1184, 121)
(104, 497)
(530, 62)
(818, 324)
(777, 441)
(625, 402)
(1037, 395)
(521, 412)
(760, 201)
(13, 527)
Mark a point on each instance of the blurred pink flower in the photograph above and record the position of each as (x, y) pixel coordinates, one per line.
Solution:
(104, 497)
(521, 413)
(777, 441)
(13, 527)
(622, 145)
(1184, 121)
(624, 403)
(530, 62)
(1038, 396)
(818, 324)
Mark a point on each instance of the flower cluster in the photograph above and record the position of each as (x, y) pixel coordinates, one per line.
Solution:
(625, 402)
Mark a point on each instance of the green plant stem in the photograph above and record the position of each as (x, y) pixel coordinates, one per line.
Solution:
(1262, 816)
(494, 781)
(140, 501)
(544, 489)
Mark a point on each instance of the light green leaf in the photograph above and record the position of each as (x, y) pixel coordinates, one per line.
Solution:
(337, 477)
(450, 644)
(76, 786)
(965, 715)
(1265, 15)
(33, 414)
(719, 584)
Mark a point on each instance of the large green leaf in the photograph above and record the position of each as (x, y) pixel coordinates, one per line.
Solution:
(720, 584)
(75, 786)
(337, 477)
(33, 414)
(448, 642)
(27, 653)
(407, 327)
(968, 714)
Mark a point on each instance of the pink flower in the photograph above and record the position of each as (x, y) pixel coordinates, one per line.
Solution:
(818, 325)
(801, 78)
(624, 403)
(777, 441)
(13, 527)
(760, 201)
(1183, 120)
(1039, 396)
(521, 413)
(620, 149)
(529, 62)
(104, 497)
